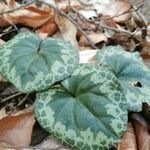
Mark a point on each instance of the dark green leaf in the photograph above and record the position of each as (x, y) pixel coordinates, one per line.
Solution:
(89, 113)
(131, 72)
(33, 64)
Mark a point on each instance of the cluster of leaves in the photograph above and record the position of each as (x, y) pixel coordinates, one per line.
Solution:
(83, 105)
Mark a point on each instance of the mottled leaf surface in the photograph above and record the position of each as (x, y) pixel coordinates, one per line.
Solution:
(131, 72)
(90, 112)
(33, 64)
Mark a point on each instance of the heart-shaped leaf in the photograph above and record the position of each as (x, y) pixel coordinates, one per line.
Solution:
(33, 64)
(90, 112)
(131, 72)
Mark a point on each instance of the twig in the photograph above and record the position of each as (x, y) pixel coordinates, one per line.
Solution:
(17, 8)
(70, 19)
(10, 97)
(117, 30)
(140, 15)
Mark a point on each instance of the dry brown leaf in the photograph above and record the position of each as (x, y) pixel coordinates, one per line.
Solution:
(107, 21)
(17, 130)
(128, 141)
(120, 11)
(64, 5)
(67, 29)
(141, 131)
(49, 28)
(6, 146)
(94, 37)
(3, 22)
(86, 25)
(30, 16)
(51, 143)
(123, 40)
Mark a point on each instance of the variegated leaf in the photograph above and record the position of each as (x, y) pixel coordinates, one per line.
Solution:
(131, 72)
(33, 64)
(89, 113)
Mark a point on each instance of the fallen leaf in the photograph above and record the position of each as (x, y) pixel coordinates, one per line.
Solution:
(17, 130)
(94, 37)
(67, 29)
(86, 25)
(141, 131)
(49, 28)
(6, 146)
(31, 16)
(120, 11)
(128, 141)
(51, 143)
(3, 22)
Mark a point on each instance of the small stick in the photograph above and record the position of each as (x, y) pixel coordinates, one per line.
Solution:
(10, 97)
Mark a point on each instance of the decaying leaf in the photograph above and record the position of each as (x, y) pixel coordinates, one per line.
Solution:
(67, 29)
(31, 16)
(118, 10)
(17, 130)
(49, 28)
(128, 141)
(94, 37)
(51, 143)
(6, 146)
(141, 131)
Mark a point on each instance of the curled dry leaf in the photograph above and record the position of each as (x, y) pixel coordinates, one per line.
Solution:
(94, 37)
(120, 11)
(141, 131)
(128, 141)
(51, 143)
(64, 5)
(67, 29)
(48, 28)
(31, 16)
(17, 130)
(86, 25)
(6, 146)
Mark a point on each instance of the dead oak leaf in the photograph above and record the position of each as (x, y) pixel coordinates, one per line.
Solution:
(128, 141)
(17, 130)
(31, 16)
(141, 130)
(94, 37)
(120, 11)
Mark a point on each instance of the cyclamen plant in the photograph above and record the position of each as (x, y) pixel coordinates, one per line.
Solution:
(88, 110)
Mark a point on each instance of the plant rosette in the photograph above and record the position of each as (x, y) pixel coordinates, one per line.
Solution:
(88, 112)
(131, 72)
(33, 64)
